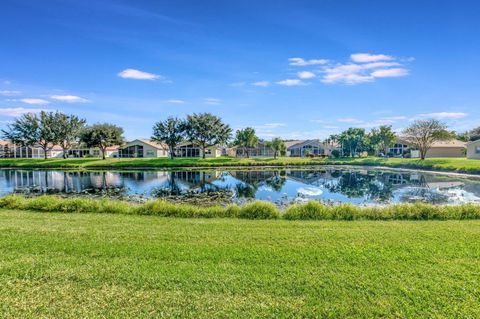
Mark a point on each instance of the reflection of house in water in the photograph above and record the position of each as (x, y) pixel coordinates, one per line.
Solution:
(256, 177)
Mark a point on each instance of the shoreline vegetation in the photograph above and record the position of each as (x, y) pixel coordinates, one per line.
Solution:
(457, 165)
(311, 210)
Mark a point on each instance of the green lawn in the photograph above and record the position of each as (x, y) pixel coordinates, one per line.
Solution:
(100, 265)
(446, 164)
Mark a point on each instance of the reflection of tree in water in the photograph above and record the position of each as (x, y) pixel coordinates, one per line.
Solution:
(251, 181)
(183, 183)
(376, 186)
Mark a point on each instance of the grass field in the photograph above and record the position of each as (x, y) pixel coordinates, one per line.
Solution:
(94, 265)
(444, 164)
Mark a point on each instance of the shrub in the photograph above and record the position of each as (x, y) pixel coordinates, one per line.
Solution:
(259, 210)
(309, 210)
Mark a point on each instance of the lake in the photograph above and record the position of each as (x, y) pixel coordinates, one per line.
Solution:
(223, 186)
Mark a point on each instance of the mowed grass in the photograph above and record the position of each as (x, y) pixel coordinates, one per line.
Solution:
(101, 265)
(462, 165)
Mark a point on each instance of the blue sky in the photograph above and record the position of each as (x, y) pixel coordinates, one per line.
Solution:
(295, 69)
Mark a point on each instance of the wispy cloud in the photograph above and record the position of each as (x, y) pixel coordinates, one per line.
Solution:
(35, 101)
(444, 115)
(69, 98)
(173, 101)
(291, 82)
(364, 68)
(261, 83)
(17, 111)
(138, 75)
(212, 101)
(9, 92)
(349, 120)
(303, 62)
(367, 57)
(306, 75)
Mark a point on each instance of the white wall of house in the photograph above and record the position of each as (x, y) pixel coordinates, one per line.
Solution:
(473, 150)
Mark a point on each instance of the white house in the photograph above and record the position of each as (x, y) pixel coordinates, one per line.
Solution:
(473, 150)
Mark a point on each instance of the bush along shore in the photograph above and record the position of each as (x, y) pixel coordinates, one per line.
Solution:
(255, 210)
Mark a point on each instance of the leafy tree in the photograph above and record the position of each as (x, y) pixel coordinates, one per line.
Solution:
(246, 139)
(352, 140)
(206, 130)
(102, 136)
(171, 132)
(67, 130)
(278, 146)
(32, 129)
(423, 133)
(474, 134)
(382, 138)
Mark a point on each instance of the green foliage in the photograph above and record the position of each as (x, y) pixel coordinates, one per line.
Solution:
(67, 130)
(246, 139)
(259, 210)
(353, 141)
(31, 129)
(278, 146)
(171, 132)
(206, 130)
(382, 138)
(423, 133)
(103, 136)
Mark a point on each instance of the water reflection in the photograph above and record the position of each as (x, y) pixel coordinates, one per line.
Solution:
(279, 185)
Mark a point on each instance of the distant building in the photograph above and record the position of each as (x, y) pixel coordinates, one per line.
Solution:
(473, 150)
(309, 147)
(149, 148)
(450, 148)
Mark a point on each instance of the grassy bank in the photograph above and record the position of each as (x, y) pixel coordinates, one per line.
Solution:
(256, 210)
(442, 164)
(105, 266)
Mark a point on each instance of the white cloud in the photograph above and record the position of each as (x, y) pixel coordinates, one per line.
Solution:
(349, 120)
(386, 73)
(306, 75)
(212, 101)
(138, 75)
(273, 125)
(35, 101)
(291, 82)
(303, 62)
(261, 83)
(367, 57)
(173, 101)
(17, 111)
(310, 191)
(9, 92)
(395, 118)
(69, 98)
(444, 115)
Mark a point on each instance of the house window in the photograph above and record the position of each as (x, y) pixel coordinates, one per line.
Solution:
(149, 153)
(477, 150)
(208, 152)
(96, 152)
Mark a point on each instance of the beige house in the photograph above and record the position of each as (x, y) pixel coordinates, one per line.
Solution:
(143, 148)
(261, 150)
(451, 148)
(473, 150)
(313, 147)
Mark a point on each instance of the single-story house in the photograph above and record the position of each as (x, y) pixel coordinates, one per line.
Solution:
(450, 148)
(188, 149)
(143, 148)
(473, 149)
(261, 150)
(309, 147)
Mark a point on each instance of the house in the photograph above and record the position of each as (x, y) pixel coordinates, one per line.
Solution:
(309, 147)
(261, 150)
(143, 148)
(450, 148)
(187, 149)
(473, 149)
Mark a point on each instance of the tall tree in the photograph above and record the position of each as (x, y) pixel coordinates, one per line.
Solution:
(32, 129)
(382, 138)
(423, 133)
(353, 140)
(206, 130)
(278, 146)
(474, 134)
(67, 130)
(246, 138)
(102, 136)
(171, 132)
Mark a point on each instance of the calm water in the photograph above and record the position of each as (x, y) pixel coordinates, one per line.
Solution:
(281, 186)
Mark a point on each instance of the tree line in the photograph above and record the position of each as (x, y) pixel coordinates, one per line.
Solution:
(48, 129)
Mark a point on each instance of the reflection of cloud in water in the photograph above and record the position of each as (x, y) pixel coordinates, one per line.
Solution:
(459, 196)
(310, 191)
